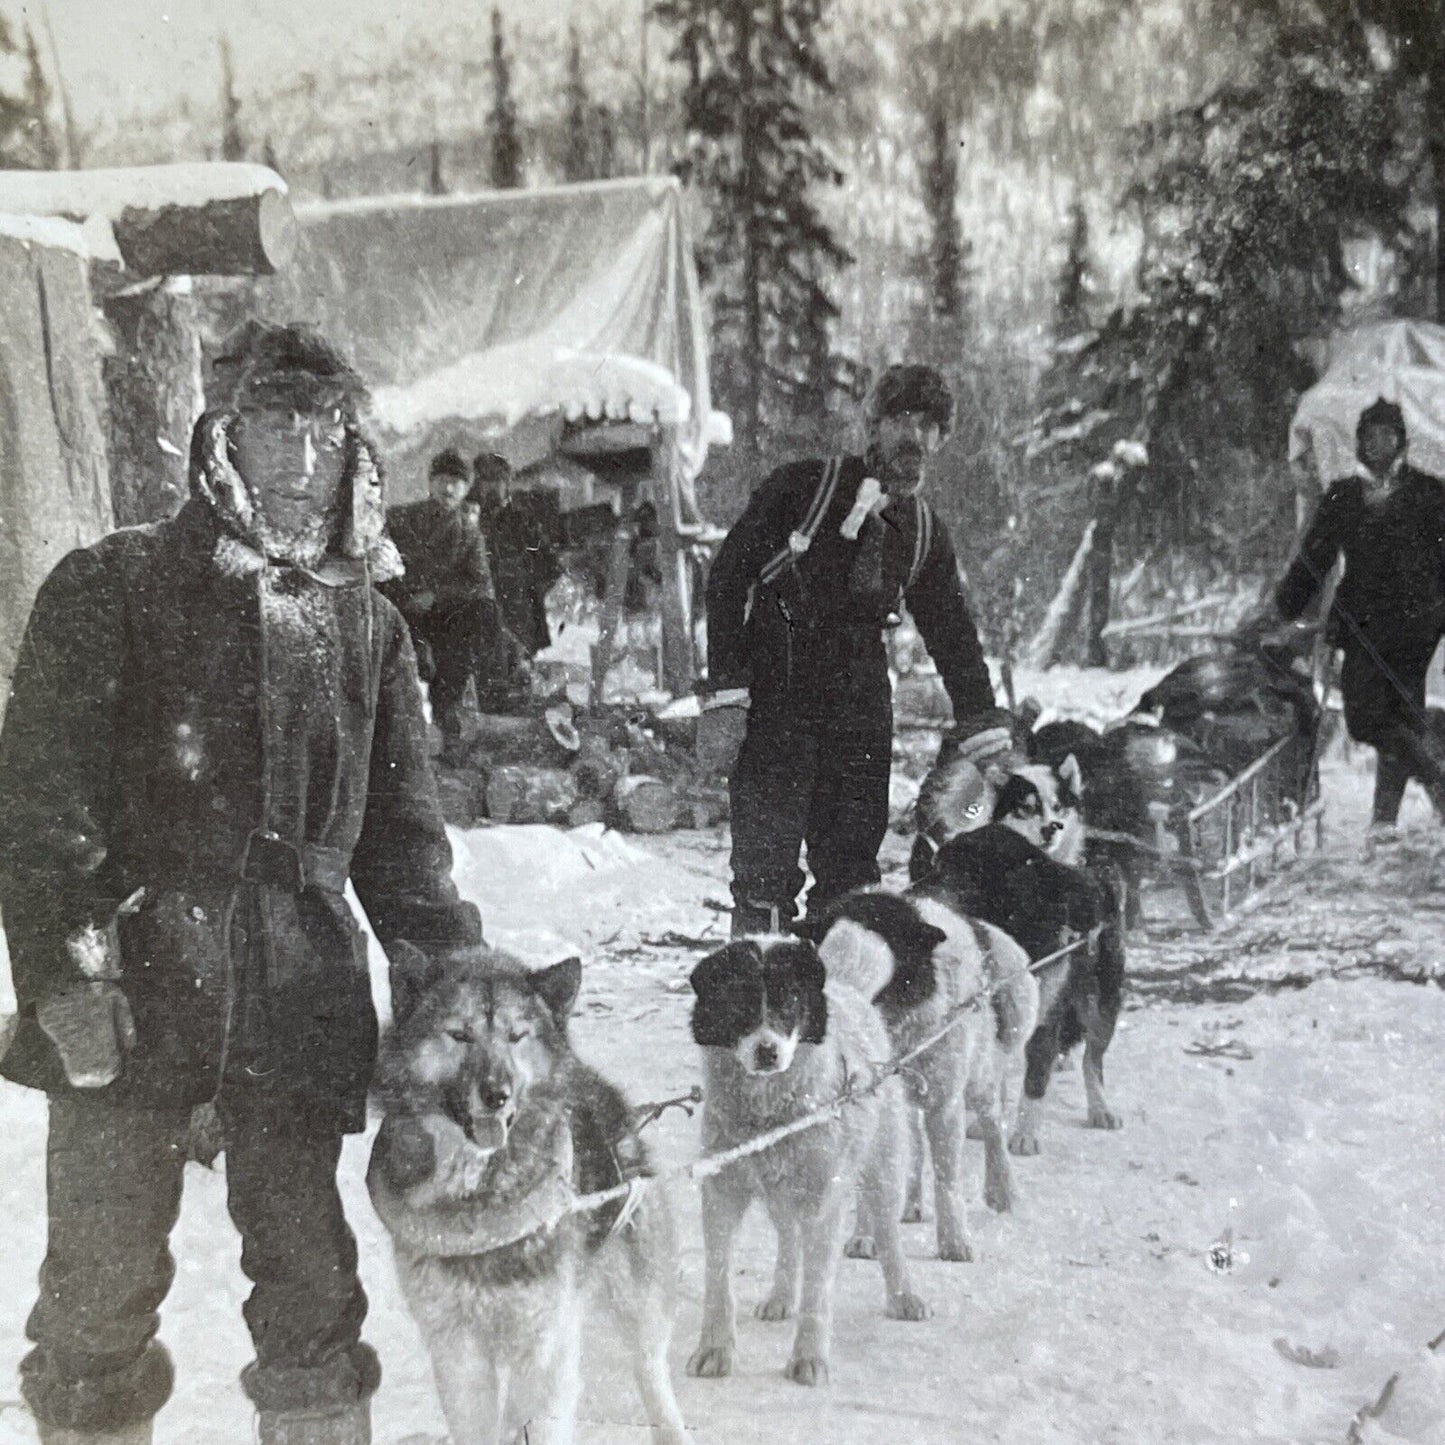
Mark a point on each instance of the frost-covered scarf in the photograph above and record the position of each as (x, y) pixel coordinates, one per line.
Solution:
(343, 544)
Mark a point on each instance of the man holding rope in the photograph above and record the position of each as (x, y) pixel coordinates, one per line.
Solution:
(1388, 521)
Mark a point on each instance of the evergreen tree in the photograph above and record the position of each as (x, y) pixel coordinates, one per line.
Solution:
(502, 119)
(233, 145)
(13, 111)
(754, 72)
(1076, 279)
(37, 102)
(577, 158)
(947, 251)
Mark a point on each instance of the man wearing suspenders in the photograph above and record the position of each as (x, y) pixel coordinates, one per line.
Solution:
(818, 565)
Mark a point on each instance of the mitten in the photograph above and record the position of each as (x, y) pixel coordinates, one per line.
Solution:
(721, 727)
(91, 1026)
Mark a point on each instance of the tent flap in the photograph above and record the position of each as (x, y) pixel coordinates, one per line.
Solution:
(577, 301)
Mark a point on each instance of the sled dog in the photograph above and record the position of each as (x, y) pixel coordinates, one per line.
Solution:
(491, 1127)
(1021, 874)
(781, 1037)
(938, 963)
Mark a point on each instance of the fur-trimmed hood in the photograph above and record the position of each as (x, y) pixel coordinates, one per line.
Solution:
(360, 548)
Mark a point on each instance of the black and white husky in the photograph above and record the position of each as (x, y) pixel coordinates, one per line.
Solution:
(782, 1037)
(943, 968)
(1021, 873)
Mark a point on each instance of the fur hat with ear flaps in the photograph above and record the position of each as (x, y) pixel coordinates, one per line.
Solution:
(289, 368)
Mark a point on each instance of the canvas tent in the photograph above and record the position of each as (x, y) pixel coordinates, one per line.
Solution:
(1402, 361)
(54, 487)
(560, 320)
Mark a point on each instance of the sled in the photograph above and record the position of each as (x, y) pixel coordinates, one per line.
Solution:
(1224, 849)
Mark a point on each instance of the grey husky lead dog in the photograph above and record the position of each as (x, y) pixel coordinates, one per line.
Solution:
(492, 1125)
(779, 1039)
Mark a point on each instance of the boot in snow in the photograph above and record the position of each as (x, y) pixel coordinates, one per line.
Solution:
(338, 1425)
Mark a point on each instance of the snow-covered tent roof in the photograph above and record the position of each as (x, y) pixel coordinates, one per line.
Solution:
(573, 301)
(1402, 361)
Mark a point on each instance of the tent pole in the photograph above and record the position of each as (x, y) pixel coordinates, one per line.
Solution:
(618, 563)
(678, 663)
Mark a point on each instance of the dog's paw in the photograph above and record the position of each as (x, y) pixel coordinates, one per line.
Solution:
(955, 1251)
(861, 1246)
(905, 1306)
(775, 1308)
(807, 1370)
(1024, 1142)
(711, 1362)
(1101, 1116)
(998, 1195)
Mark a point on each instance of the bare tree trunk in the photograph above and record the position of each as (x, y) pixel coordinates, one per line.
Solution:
(153, 396)
(1043, 648)
(1101, 571)
(752, 282)
(1435, 131)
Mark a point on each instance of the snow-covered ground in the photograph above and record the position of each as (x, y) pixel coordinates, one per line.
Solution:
(1250, 1260)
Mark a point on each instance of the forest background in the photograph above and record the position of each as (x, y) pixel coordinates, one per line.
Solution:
(1125, 228)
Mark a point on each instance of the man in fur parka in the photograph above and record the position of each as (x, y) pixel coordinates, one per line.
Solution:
(215, 721)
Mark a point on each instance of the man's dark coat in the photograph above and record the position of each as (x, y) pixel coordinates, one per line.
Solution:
(812, 641)
(1389, 609)
(176, 700)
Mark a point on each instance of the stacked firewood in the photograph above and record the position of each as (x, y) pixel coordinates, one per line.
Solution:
(623, 769)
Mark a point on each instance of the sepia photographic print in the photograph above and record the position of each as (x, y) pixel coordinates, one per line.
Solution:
(722, 721)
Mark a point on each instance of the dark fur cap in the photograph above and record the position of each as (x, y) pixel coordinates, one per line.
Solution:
(910, 388)
(738, 984)
(489, 467)
(1382, 413)
(448, 464)
(265, 365)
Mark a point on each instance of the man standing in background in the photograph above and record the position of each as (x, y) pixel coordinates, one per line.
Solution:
(447, 595)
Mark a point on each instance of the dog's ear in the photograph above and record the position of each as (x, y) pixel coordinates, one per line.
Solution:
(728, 985)
(812, 976)
(928, 936)
(412, 973)
(558, 987)
(995, 774)
(1071, 775)
(723, 967)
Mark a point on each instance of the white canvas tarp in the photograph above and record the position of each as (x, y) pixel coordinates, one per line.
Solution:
(1402, 361)
(568, 302)
(54, 487)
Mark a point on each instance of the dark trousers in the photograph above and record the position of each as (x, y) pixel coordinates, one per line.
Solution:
(1384, 694)
(114, 1191)
(466, 645)
(806, 780)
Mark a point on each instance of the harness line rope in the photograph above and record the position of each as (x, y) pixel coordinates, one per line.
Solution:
(634, 1190)
(711, 1164)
